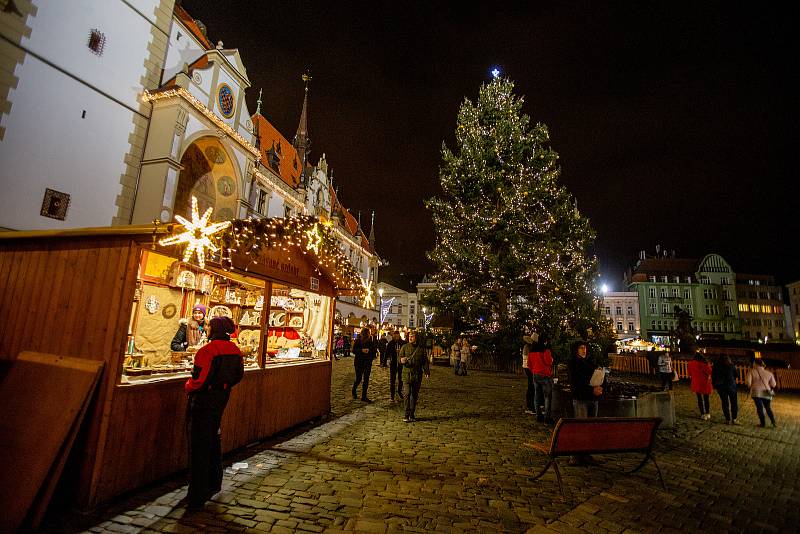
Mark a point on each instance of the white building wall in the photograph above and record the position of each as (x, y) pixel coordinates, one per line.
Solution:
(47, 143)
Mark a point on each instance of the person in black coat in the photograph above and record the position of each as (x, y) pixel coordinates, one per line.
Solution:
(723, 378)
(395, 369)
(581, 368)
(382, 343)
(365, 349)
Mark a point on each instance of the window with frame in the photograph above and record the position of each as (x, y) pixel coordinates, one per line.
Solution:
(630, 327)
(676, 292)
(686, 294)
(653, 308)
(664, 279)
(665, 309)
(652, 292)
(608, 310)
(619, 310)
(690, 309)
(619, 327)
(652, 278)
(663, 292)
(630, 310)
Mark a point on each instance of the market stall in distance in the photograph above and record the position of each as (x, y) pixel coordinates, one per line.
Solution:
(118, 296)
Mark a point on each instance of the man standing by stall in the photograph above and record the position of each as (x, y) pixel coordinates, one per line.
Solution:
(218, 366)
(365, 348)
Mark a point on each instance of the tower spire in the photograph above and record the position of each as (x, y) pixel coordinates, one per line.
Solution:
(372, 230)
(258, 103)
(301, 142)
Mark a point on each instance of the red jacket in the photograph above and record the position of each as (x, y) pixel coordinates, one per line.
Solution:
(700, 372)
(541, 363)
(224, 358)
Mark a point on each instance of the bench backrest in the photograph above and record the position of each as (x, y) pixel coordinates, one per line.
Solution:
(604, 435)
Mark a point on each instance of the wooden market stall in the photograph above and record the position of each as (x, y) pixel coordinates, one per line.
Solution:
(116, 295)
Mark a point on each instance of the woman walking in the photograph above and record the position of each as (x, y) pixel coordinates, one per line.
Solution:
(700, 373)
(723, 378)
(665, 370)
(762, 384)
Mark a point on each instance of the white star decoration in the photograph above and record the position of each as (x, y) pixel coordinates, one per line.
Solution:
(369, 298)
(196, 235)
(314, 239)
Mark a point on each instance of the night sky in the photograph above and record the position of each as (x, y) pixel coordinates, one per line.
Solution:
(673, 121)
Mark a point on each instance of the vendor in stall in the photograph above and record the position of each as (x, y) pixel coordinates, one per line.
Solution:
(191, 331)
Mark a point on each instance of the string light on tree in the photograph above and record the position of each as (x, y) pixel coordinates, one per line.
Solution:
(197, 234)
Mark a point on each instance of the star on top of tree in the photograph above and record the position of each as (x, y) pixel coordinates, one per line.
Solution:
(197, 234)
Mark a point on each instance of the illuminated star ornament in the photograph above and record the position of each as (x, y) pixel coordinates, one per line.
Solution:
(495, 72)
(314, 239)
(196, 234)
(369, 298)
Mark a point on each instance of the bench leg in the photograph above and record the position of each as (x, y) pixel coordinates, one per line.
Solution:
(651, 456)
(543, 471)
(558, 478)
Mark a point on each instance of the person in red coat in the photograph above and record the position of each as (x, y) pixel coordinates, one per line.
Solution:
(218, 366)
(700, 373)
(540, 362)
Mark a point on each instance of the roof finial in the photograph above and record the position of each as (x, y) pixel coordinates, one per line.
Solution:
(258, 103)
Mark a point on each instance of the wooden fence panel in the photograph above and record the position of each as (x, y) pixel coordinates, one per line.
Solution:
(787, 379)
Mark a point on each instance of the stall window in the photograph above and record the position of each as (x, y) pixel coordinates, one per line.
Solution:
(163, 333)
(298, 325)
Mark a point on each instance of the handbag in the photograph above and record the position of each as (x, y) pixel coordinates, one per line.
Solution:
(768, 391)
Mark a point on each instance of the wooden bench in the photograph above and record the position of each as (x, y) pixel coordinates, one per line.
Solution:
(601, 435)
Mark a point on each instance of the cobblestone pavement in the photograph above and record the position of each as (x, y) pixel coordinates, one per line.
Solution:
(461, 468)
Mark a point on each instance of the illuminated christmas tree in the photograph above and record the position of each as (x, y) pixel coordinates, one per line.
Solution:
(512, 249)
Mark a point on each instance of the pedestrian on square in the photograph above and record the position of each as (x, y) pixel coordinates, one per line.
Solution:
(218, 366)
(346, 345)
(585, 397)
(365, 349)
(395, 369)
(530, 393)
(455, 354)
(581, 368)
(700, 374)
(414, 360)
(762, 388)
(665, 370)
(338, 347)
(723, 378)
(464, 355)
(382, 343)
(540, 362)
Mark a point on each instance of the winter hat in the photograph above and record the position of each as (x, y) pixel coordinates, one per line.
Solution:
(531, 339)
(222, 328)
(199, 307)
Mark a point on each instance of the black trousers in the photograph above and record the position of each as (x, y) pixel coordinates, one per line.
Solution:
(205, 449)
(530, 393)
(395, 377)
(363, 368)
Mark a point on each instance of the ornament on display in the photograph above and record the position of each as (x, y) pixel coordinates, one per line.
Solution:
(152, 304)
(186, 280)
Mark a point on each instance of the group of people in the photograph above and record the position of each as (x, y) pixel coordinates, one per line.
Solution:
(407, 361)
(460, 351)
(722, 377)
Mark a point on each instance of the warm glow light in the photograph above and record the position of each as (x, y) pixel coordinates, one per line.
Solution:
(196, 234)
(369, 298)
(314, 239)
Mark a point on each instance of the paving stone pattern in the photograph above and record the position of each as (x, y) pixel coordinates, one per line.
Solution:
(461, 468)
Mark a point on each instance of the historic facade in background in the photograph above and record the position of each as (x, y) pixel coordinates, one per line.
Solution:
(139, 111)
(621, 309)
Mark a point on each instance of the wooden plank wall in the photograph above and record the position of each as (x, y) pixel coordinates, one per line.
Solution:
(146, 439)
(70, 297)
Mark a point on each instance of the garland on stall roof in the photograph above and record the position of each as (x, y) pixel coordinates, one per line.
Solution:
(254, 237)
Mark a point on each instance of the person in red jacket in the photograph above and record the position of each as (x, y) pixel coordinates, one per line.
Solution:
(540, 362)
(218, 366)
(700, 373)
